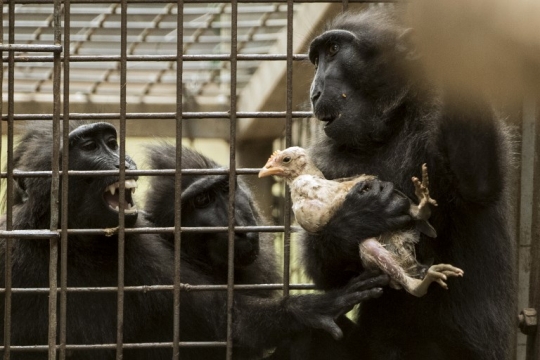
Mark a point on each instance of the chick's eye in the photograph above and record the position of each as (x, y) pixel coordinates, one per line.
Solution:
(202, 200)
(333, 49)
(286, 159)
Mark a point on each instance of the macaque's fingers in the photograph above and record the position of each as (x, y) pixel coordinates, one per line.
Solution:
(350, 300)
(345, 303)
(331, 327)
(433, 202)
(387, 189)
(360, 284)
(365, 275)
(375, 188)
(400, 220)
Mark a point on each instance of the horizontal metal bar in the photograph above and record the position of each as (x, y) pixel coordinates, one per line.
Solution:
(201, 57)
(147, 288)
(36, 348)
(47, 234)
(165, 115)
(193, 1)
(29, 234)
(194, 229)
(31, 47)
(160, 172)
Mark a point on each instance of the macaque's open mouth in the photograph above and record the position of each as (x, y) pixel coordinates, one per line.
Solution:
(112, 193)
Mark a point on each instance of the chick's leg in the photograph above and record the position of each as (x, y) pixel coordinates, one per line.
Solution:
(422, 210)
(373, 254)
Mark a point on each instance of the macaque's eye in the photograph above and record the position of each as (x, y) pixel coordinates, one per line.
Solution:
(89, 145)
(112, 144)
(225, 187)
(203, 200)
(287, 159)
(333, 49)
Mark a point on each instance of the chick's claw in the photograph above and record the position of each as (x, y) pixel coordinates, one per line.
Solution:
(421, 189)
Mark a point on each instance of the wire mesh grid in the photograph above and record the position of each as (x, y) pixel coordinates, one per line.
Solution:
(123, 52)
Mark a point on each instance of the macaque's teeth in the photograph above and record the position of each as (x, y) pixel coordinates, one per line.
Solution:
(130, 209)
(112, 188)
(117, 208)
(131, 184)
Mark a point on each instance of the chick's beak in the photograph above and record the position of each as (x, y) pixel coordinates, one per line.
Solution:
(269, 169)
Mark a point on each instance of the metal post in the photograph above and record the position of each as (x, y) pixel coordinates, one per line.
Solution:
(530, 119)
(178, 177)
(65, 184)
(232, 177)
(122, 180)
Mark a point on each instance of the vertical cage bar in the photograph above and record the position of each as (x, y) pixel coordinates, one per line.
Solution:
(9, 187)
(344, 5)
(531, 166)
(122, 180)
(65, 184)
(232, 175)
(178, 176)
(288, 141)
(55, 186)
(1, 79)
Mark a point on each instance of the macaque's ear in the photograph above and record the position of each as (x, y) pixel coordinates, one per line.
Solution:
(406, 44)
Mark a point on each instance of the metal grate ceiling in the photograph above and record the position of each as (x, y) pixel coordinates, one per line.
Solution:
(95, 31)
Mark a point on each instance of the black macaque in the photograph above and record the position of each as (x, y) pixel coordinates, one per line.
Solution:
(92, 260)
(382, 117)
(260, 319)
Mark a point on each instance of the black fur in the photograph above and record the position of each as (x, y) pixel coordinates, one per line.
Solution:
(92, 260)
(260, 319)
(383, 117)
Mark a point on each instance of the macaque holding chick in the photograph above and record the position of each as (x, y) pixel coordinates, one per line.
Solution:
(315, 200)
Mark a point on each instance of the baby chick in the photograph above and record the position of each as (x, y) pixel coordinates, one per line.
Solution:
(315, 200)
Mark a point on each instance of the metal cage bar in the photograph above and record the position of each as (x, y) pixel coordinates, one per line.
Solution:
(288, 142)
(55, 187)
(9, 185)
(169, 115)
(191, 1)
(178, 178)
(232, 177)
(122, 180)
(155, 58)
(183, 286)
(65, 184)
